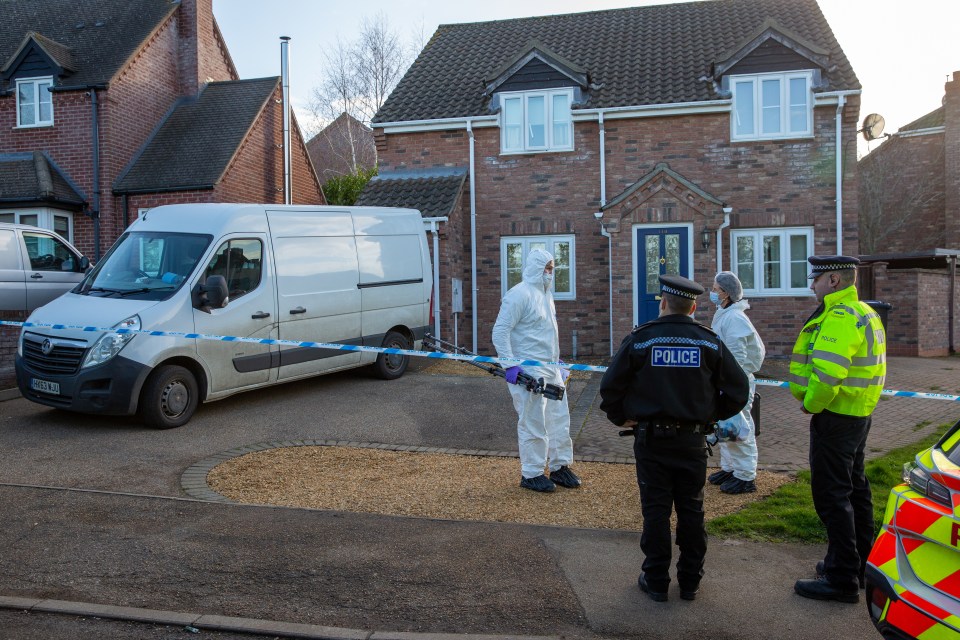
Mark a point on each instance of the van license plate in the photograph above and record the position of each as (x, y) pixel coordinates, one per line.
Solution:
(45, 386)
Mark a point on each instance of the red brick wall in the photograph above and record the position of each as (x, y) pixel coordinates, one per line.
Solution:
(918, 323)
(256, 172)
(767, 184)
(902, 195)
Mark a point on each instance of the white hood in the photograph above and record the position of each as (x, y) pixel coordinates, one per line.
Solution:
(76, 310)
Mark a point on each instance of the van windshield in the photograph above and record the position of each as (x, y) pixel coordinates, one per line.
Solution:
(146, 265)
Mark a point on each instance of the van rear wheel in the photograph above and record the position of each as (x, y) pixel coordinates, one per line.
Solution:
(390, 366)
(169, 397)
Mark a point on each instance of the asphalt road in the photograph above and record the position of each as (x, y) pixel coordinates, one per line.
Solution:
(92, 511)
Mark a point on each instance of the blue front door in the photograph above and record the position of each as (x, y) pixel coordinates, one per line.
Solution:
(660, 250)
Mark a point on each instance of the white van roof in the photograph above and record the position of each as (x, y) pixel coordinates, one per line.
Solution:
(218, 218)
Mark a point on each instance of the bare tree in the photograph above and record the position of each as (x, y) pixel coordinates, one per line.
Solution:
(358, 77)
(898, 185)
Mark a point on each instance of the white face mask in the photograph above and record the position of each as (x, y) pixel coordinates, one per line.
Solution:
(547, 280)
(714, 297)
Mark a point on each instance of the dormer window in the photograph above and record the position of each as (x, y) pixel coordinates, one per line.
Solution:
(532, 121)
(34, 102)
(769, 106)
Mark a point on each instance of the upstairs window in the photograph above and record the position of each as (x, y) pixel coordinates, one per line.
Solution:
(772, 105)
(34, 102)
(536, 121)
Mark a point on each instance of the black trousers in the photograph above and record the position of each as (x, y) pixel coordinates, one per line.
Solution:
(841, 493)
(671, 474)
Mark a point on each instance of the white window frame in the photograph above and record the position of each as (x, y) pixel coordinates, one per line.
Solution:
(549, 243)
(787, 103)
(758, 235)
(45, 219)
(38, 99)
(550, 120)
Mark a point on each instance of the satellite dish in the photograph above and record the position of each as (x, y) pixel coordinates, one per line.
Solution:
(872, 127)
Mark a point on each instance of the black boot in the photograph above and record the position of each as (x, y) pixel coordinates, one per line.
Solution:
(821, 589)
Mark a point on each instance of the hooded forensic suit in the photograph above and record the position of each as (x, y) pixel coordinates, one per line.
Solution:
(526, 328)
(733, 326)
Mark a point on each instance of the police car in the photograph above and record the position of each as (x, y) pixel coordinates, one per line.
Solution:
(913, 572)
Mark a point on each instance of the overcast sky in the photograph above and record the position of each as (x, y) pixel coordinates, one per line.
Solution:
(903, 51)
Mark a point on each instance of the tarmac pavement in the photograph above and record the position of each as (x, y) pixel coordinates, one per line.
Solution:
(94, 521)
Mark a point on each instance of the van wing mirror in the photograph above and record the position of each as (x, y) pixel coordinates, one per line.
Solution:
(84, 263)
(213, 294)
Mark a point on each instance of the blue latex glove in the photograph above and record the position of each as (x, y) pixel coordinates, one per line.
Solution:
(512, 373)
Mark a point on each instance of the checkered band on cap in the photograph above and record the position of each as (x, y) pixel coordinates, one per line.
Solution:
(678, 292)
(833, 267)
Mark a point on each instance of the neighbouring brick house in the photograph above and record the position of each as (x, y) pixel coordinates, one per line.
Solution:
(910, 229)
(682, 138)
(122, 105)
(344, 145)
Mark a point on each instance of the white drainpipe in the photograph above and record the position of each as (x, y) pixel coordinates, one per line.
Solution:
(473, 237)
(599, 216)
(841, 100)
(726, 223)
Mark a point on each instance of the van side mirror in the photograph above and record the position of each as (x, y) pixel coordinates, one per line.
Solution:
(84, 263)
(213, 294)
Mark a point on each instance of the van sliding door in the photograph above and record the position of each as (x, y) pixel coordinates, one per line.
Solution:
(318, 299)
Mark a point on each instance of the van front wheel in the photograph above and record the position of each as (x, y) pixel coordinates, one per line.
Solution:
(169, 397)
(390, 366)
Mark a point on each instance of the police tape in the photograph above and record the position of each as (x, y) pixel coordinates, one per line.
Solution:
(409, 352)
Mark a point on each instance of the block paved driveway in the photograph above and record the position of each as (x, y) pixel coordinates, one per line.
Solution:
(784, 435)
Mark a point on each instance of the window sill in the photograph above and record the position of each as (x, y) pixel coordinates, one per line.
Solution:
(45, 125)
(798, 137)
(534, 152)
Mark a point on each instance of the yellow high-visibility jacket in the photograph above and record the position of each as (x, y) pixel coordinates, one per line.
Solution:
(839, 361)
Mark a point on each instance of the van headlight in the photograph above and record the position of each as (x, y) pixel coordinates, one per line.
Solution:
(111, 342)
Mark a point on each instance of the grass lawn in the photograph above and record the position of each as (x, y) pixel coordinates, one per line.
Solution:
(788, 514)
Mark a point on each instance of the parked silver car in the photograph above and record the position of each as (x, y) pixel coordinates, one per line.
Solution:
(36, 266)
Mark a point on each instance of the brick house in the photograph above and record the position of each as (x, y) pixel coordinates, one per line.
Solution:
(910, 229)
(342, 147)
(681, 138)
(121, 105)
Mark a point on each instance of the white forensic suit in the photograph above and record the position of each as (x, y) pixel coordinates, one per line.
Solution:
(741, 338)
(526, 328)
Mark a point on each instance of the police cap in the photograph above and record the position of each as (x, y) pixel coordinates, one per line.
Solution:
(823, 264)
(680, 286)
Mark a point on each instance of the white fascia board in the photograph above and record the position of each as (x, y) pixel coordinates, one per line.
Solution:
(441, 124)
(831, 97)
(654, 110)
(930, 131)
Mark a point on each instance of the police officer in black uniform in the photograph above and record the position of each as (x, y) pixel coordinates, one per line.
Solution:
(671, 379)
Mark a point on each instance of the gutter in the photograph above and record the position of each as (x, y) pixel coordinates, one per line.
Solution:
(727, 210)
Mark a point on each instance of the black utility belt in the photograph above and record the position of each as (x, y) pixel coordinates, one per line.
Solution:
(670, 428)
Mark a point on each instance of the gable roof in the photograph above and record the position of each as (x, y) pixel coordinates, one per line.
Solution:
(34, 178)
(434, 192)
(82, 28)
(331, 152)
(638, 56)
(929, 121)
(195, 143)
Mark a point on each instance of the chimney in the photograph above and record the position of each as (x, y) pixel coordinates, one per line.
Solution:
(197, 47)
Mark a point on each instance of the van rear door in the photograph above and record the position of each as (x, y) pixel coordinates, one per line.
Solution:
(318, 298)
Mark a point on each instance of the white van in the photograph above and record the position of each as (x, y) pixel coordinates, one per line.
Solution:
(36, 266)
(349, 275)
